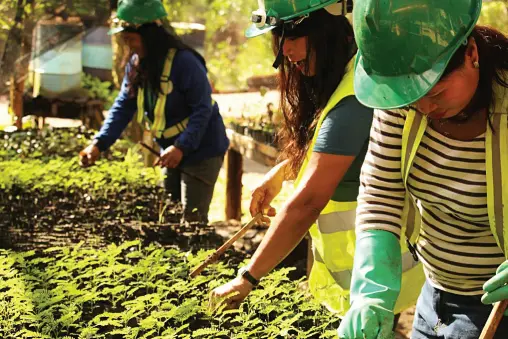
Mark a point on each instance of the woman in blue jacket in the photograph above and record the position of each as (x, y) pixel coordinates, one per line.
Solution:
(166, 88)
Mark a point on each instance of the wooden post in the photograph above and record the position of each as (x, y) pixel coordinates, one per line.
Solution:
(20, 60)
(234, 171)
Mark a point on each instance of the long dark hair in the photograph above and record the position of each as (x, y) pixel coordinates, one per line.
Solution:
(156, 41)
(303, 98)
(493, 58)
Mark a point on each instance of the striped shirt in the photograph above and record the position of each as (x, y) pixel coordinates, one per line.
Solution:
(448, 182)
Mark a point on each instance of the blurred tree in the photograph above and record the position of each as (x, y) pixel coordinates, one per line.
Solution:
(14, 13)
(495, 14)
(231, 58)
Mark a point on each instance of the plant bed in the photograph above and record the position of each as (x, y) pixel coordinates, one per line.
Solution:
(261, 132)
(69, 270)
(50, 143)
(132, 291)
(44, 204)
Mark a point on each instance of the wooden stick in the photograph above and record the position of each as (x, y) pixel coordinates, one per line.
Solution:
(154, 152)
(496, 315)
(215, 256)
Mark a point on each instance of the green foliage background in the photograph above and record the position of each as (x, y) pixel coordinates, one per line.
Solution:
(231, 57)
(495, 14)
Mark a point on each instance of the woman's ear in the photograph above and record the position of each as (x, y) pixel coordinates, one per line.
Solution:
(472, 58)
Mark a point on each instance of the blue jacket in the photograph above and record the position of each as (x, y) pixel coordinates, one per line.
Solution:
(205, 135)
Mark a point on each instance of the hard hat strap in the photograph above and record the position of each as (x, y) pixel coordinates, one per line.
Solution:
(280, 53)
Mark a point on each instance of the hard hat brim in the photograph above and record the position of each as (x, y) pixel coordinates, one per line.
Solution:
(116, 30)
(254, 31)
(390, 92)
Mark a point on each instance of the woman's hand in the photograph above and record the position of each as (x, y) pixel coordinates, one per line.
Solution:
(367, 321)
(237, 290)
(170, 158)
(89, 155)
(263, 195)
(496, 288)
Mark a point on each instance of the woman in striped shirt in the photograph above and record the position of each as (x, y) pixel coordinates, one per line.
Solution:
(429, 61)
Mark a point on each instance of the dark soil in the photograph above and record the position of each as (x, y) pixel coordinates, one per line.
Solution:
(38, 220)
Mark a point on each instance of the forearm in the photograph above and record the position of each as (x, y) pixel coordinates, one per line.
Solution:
(120, 114)
(288, 173)
(377, 268)
(111, 131)
(283, 170)
(279, 170)
(287, 230)
(191, 137)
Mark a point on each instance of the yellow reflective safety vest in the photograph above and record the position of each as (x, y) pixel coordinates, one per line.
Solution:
(333, 239)
(496, 157)
(158, 125)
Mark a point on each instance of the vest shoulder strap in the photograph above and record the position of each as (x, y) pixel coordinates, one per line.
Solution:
(414, 128)
(412, 133)
(496, 155)
(344, 89)
(165, 83)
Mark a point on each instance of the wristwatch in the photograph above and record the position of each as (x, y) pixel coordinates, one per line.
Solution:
(244, 273)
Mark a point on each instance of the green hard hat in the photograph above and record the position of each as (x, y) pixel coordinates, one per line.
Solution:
(138, 12)
(272, 12)
(404, 46)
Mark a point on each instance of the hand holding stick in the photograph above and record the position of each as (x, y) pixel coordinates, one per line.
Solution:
(154, 152)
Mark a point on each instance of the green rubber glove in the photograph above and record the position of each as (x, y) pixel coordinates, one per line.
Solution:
(496, 288)
(375, 287)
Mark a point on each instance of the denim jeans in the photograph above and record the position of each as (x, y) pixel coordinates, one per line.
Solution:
(444, 315)
(194, 194)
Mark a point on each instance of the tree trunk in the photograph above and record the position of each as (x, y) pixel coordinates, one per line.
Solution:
(20, 74)
(12, 47)
(120, 52)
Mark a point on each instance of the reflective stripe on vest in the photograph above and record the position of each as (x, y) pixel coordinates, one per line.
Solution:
(496, 157)
(333, 238)
(330, 278)
(166, 85)
(343, 278)
(497, 170)
(413, 131)
(157, 127)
